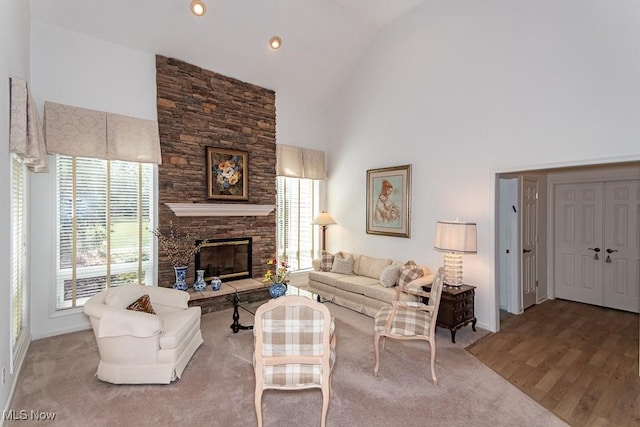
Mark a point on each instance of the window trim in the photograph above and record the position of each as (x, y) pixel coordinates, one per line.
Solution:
(149, 267)
(19, 341)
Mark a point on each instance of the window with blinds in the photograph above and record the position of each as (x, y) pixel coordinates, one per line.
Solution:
(18, 249)
(296, 206)
(104, 218)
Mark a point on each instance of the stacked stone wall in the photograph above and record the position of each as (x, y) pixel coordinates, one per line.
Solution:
(197, 109)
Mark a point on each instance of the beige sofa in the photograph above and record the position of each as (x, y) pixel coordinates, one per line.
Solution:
(362, 290)
(141, 348)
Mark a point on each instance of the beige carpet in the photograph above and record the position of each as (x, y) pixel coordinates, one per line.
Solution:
(217, 386)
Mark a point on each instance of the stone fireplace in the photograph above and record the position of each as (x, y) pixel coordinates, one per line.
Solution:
(228, 258)
(197, 109)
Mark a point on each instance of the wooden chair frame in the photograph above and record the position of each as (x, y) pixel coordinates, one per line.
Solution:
(431, 308)
(260, 361)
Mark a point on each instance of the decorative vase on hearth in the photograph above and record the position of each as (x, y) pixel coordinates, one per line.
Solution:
(277, 290)
(200, 284)
(216, 283)
(181, 276)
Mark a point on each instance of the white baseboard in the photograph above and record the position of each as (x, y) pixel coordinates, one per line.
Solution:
(63, 331)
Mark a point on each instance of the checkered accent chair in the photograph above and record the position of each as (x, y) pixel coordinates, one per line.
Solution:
(410, 320)
(294, 348)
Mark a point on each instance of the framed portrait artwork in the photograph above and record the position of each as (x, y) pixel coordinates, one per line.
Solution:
(227, 172)
(388, 201)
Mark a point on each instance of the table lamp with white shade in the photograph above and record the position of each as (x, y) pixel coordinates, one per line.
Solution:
(455, 238)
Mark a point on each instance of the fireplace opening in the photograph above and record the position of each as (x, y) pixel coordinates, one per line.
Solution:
(227, 258)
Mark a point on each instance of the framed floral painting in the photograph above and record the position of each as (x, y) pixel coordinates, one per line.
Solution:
(227, 174)
(388, 201)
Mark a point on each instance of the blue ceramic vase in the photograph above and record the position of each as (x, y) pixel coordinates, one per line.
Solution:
(277, 290)
(181, 275)
(216, 283)
(200, 284)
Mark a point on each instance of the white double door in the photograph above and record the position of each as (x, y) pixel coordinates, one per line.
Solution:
(597, 243)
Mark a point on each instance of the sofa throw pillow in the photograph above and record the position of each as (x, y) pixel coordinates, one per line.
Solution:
(342, 265)
(389, 276)
(356, 261)
(142, 304)
(326, 261)
(410, 271)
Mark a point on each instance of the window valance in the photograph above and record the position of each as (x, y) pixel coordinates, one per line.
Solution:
(81, 132)
(298, 162)
(25, 131)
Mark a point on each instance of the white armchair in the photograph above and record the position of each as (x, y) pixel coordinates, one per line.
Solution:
(141, 348)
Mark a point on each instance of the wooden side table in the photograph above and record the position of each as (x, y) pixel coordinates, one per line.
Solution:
(456, 308)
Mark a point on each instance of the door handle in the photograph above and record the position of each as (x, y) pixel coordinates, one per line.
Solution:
(596, 250)
(525, 251)
(610, 251)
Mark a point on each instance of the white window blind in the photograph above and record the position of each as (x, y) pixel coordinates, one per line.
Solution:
(103, 222)
(18, 249)
(296, 207)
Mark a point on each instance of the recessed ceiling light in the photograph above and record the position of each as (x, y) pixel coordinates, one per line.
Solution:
(198, 7)
(275, 42)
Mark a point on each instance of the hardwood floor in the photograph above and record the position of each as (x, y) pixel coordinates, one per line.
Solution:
(577, 360)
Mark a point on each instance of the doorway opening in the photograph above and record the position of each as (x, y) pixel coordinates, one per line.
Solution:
(527, 233)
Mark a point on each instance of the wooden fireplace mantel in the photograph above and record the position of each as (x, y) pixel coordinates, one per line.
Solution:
(219, 209)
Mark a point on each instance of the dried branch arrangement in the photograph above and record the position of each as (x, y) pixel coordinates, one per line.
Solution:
(180, 247)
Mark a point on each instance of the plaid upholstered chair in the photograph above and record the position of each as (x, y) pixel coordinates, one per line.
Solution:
(294, 348)
(410, 320)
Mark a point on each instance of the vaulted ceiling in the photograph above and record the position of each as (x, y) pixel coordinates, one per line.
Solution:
(322, 39)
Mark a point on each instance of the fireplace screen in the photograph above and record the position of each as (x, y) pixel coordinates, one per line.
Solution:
(228, 259)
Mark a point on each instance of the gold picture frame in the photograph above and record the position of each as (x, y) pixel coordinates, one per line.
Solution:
(389, 201)
(227, 174)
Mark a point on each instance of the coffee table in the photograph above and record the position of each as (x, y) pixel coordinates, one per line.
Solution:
(252, 305)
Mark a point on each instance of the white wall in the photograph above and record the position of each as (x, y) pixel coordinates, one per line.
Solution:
(300, 124)
(14, 61)
(465, 89)
(73, 69)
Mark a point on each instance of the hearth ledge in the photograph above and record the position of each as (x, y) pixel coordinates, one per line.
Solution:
(219, 209)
